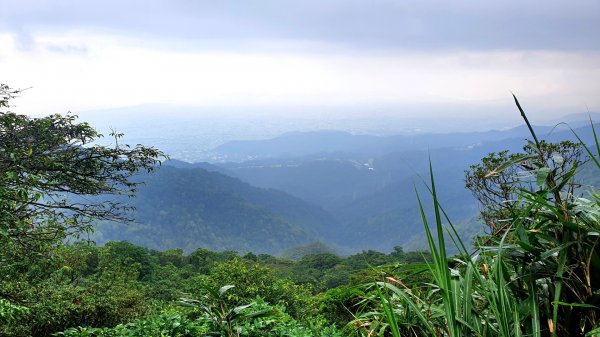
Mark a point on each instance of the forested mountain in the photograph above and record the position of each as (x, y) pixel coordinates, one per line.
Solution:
(191, 208)
(350, 200)
(372, 195)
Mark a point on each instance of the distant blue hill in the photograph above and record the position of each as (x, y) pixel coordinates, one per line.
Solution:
(372, 195)
(355, 193)
(298, 144)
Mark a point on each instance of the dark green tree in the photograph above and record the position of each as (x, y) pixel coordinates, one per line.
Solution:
(54, 180)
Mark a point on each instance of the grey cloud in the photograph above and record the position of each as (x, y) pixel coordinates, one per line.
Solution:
(380, 24)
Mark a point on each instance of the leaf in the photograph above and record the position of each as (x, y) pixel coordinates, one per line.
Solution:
(555, 250)
(517, 159)
(224, 289)
(593, 333)
(578, 305)
(261, 313)
(241, 307)
(524, 240)
(541, 176)
(537, 143)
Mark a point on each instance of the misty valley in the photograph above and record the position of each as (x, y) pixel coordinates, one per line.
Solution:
(350, 192)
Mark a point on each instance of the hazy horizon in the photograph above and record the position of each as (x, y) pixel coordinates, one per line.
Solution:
(415, 60)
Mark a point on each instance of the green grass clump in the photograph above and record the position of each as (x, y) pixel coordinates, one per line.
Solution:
(536, 274)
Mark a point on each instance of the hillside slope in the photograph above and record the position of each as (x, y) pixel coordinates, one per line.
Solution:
(191, 208)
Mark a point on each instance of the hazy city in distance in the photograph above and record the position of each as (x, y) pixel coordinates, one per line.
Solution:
(258, 69)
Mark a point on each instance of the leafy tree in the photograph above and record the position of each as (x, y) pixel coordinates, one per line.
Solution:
(50, 166)
(398, 254)
(173, 256)
(251, 257)
(253, 280)
(54, 182)
(203, 259)
(129, 256)
(311, 268)
(366, 259)
(499, 178)
(320, 261)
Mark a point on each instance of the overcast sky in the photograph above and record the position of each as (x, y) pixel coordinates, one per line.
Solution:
(403, 55)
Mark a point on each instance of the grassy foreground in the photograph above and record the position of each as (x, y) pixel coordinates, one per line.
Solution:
(536, 274)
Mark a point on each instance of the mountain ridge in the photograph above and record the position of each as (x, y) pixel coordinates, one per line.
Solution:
(191, 207)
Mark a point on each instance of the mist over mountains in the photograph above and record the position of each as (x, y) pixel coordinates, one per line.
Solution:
(201, 135)
(351, 192)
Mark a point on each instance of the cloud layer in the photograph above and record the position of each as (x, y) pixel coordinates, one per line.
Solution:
(386, 24)
(83, 55)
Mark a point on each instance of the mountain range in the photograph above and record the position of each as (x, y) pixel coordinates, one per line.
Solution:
(352, 192)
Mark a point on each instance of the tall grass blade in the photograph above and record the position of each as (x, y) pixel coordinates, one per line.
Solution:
(535, 309)
(388, 311)
(411, 304)
(462, 248)
(537, 142)
(440, 268)
(562, 260)
(595, 158)
(595, 136)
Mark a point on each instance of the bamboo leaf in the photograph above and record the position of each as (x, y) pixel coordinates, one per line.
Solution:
(537, 143)
(577, 305)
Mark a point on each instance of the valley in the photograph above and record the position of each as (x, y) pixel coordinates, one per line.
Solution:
(350, 192)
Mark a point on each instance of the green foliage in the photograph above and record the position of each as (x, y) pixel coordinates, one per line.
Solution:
(222, 318)
(203, 259)
(536, 275)
(127, 255)
(282, 324)
(64, 300)
(258, 320)
(9, 313)
(326, 270)
(252, 280)
(338, 305)
(171, 325)
(102, 288)
(46, 164)
(313, 268)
